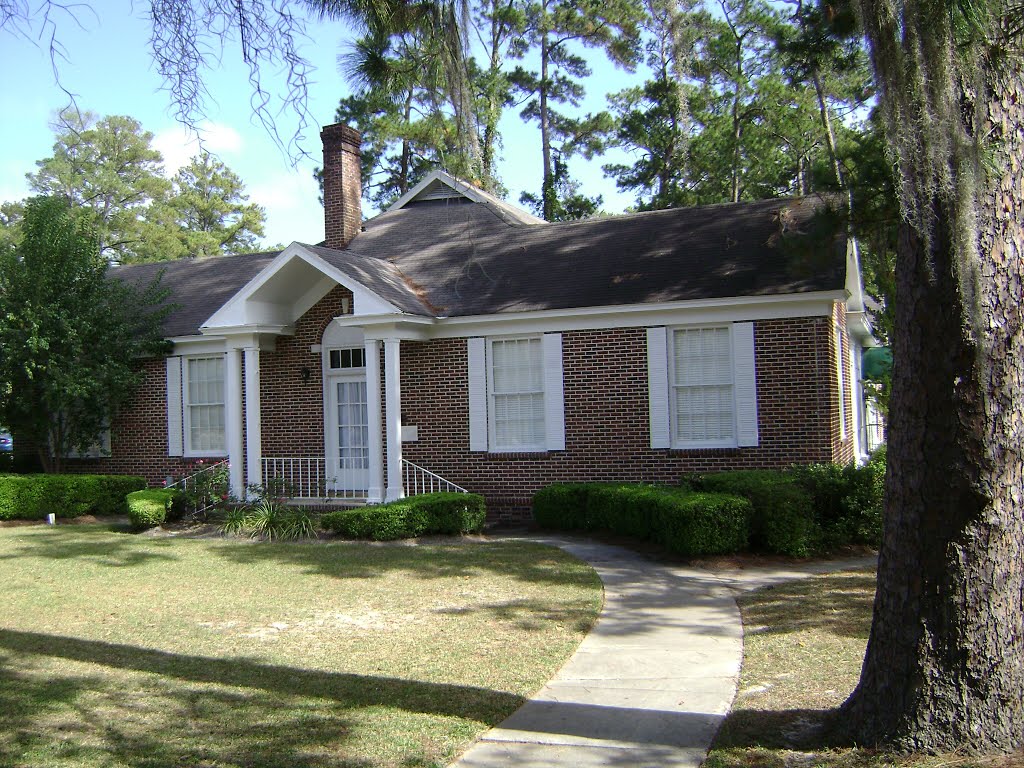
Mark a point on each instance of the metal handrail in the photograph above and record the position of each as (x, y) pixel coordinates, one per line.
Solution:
(419, 480)
(191, 482)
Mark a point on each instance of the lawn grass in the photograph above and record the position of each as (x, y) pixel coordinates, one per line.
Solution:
(803, 646)
(125, 650)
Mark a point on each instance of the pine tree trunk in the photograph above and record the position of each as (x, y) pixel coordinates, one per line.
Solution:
(945, 661)
(547, 180)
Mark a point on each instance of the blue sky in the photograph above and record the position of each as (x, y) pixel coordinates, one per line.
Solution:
(108, 69)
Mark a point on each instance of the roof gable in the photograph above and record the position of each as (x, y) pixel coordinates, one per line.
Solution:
(439, 185)
(288, 286)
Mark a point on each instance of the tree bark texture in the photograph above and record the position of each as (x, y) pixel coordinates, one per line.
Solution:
(945, 661)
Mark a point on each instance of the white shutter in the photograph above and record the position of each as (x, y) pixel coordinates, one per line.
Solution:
(477, 364)
(554, 394)
(657, 386)
(175, 437)
(745, 374)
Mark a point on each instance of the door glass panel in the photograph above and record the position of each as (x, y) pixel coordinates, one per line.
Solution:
(352, 425)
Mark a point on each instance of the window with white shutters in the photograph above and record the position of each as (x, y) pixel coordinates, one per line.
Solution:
(703, 398)
(516, 395)
(204, 406)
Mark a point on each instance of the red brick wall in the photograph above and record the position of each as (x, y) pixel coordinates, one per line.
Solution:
(138, 436)
(291, 409)
(606, 413)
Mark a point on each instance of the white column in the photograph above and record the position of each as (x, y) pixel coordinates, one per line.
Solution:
(375, 488)
(253, 445)
(393, 418)
(233, 420)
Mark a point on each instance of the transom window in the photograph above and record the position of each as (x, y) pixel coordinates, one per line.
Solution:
(341, 359)
(516, 374)
(204, 405)
(703, 397)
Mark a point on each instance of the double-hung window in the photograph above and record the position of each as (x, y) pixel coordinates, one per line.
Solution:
(703, 401)
(204, 406)
(516, 395)
(702, 386)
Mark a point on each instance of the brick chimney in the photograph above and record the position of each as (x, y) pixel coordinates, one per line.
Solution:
(342, 190)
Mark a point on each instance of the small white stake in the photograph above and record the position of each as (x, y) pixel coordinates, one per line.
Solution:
(51, 519)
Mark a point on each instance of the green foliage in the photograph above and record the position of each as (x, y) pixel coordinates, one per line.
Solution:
(110, 172)
(208, 211)
(687, 523)
(783, 516)
(72, 338)
(33, 497)
(149, 508)
(268, 519)
(206, 489)
(702, 524)
(450, 513)
(562, 506)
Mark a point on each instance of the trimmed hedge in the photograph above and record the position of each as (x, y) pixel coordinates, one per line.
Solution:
(149, 508)
(686, 523)
(33, 497)
(783, 513)
(453, 513)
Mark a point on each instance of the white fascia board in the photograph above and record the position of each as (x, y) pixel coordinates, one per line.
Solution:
(197, 345)
(232, 313)
(701, 311)
(390, 326)
(858, 324)
(854, 281)
(459, 186)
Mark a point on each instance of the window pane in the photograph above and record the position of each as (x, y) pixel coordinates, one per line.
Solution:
(205, 395)
(704, 399)
(517, 391)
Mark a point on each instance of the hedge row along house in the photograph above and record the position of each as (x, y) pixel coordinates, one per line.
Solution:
(455, 336)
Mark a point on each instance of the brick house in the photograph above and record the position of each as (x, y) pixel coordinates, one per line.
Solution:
(459, 335)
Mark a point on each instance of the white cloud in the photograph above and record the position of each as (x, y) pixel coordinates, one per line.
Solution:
(293, 211)
(178, 146)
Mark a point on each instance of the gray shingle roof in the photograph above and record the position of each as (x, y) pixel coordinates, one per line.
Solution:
(454, 257)
(199, 287)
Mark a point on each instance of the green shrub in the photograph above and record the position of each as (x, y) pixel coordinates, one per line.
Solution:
(562, 506)
(411, 517)
(453, 513)
(382, 522)
(685, 522)
(782, 511)
(149, 508)
(33, 497)
(271, 520)
(847, 500)
(699, 523)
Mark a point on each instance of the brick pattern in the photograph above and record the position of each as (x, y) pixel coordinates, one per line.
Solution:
(138, 436)
(291, 405)
(606, 414)
(606, 411)
(342, 190)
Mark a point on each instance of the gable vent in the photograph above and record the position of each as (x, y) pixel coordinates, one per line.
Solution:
(438, 190)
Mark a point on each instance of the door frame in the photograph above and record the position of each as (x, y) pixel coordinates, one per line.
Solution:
(334, 338)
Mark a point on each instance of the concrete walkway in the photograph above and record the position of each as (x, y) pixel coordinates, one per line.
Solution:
(651, 683)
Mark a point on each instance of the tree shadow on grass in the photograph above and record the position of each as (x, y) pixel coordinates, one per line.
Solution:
(839, 603)
(104, 545)
(527, 562)
(201, 711)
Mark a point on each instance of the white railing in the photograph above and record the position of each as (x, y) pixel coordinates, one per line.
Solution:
(418, 480)
(203, 486)
(874, 435)
(309, 478)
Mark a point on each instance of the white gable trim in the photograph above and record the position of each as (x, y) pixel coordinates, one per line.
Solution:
(232, 314)
(466, 190)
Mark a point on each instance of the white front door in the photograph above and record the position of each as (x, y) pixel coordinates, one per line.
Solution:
(348, 461)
